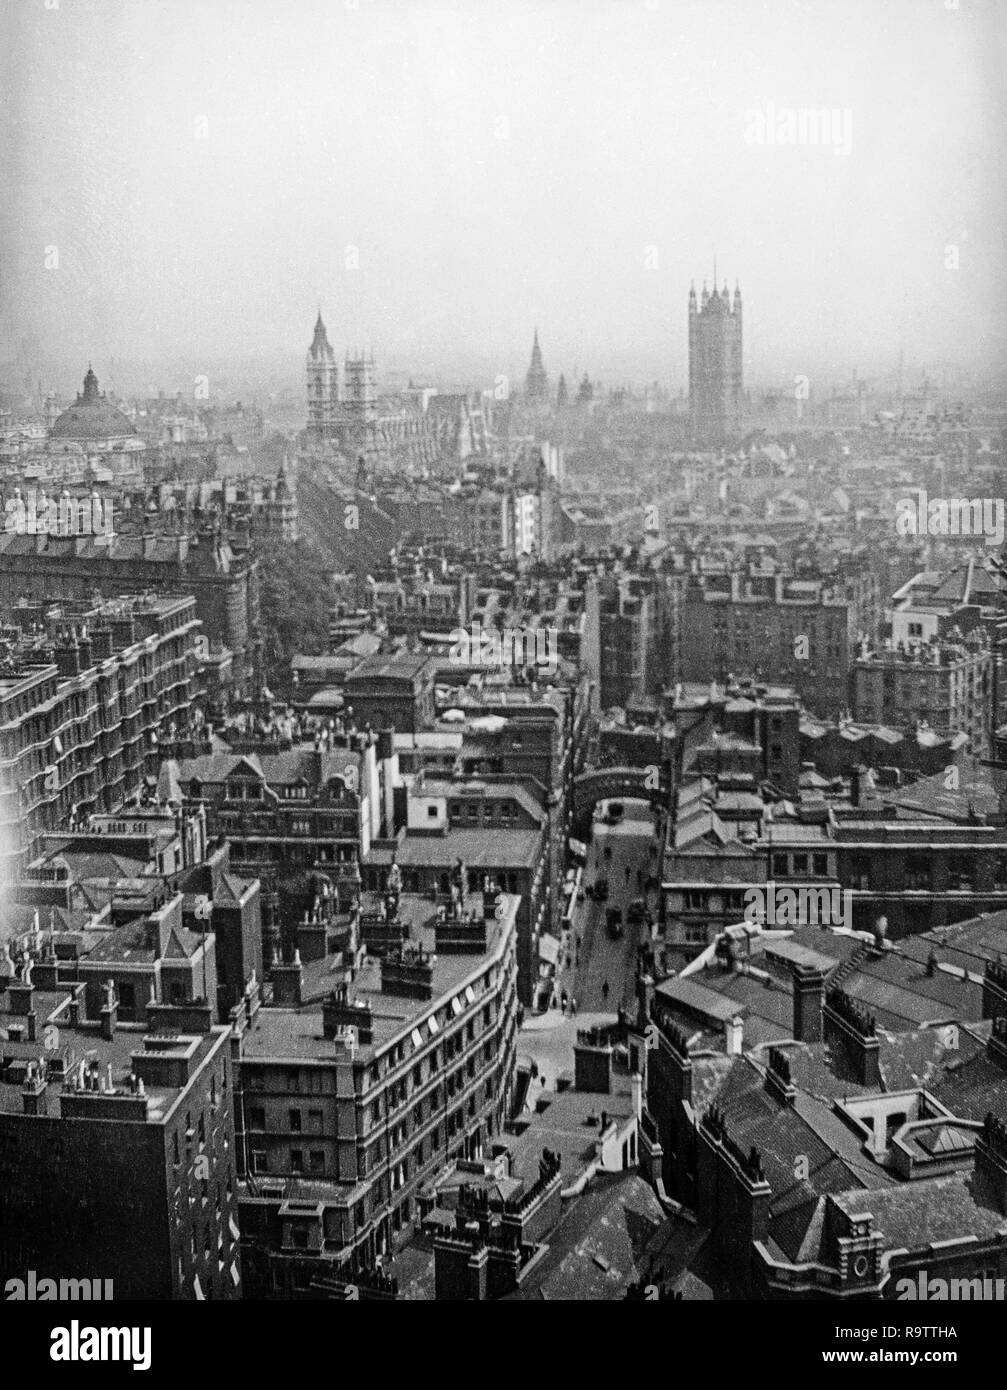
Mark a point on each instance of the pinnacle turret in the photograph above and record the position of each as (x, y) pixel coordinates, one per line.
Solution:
(320, 342)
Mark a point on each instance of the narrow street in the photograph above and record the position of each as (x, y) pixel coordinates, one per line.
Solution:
(547, 1039)
(621, 854)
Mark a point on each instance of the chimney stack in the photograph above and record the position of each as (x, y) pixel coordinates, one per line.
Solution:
(21, 994)
(109, 1012)
(853, 1029)
(287, 980)
(778, 1081)
(34, 1092)
(808, 992)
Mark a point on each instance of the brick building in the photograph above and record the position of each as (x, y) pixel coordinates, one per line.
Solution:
(943, 685)
(799, 632)
(83, 707)
(392, 692)
(117, 1154)
(291, 816)
(369, 1074)
(223, 582)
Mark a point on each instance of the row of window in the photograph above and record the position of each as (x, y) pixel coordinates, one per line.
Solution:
(800, 865)
(258, 1160)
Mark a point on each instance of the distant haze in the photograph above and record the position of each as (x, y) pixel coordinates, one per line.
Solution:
(441, 178)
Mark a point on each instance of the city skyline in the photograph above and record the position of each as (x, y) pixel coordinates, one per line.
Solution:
(503, 666)
(207, 183)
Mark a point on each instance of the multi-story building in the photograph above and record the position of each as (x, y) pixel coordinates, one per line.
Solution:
(203, 563)
(942, 684)
(255, 506)
(706, 871)
(184, 922)
(626, 617)
(392, 692)
(117, 1148)
(371, 1072)
(903, 861)
(909, 868)
(293, 818)
(800, 632)
(515, 731)
(235, 919)
(82, 868)
(409, 603)
(83, 708)
(741, 728)
(499, 827)
(488, 521)
(158, 952)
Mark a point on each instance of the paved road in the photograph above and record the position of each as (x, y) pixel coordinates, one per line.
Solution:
(547, 1040)
(619, 853)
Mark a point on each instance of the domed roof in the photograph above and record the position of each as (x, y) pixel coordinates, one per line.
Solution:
(91, 416)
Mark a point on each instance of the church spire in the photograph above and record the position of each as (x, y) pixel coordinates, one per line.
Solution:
(320, 342)
(536, 381)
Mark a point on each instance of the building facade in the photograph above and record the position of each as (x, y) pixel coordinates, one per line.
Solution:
(358, 1090)
(82, 711)
(117, 1152)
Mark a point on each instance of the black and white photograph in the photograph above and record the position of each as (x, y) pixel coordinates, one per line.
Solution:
(503, 671)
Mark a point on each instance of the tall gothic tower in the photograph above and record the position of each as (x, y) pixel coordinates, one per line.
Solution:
(715, 398)
(360, 401)
(323, 386)
(536, 383)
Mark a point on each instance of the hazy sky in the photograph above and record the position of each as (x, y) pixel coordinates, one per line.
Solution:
(204, 169)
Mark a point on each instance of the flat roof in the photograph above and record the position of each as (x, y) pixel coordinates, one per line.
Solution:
(295, 1033)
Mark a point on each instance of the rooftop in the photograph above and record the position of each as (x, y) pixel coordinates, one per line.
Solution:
(295, 1032)
(76, 1061)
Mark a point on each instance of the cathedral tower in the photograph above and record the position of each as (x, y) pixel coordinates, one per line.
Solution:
(360, 402)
